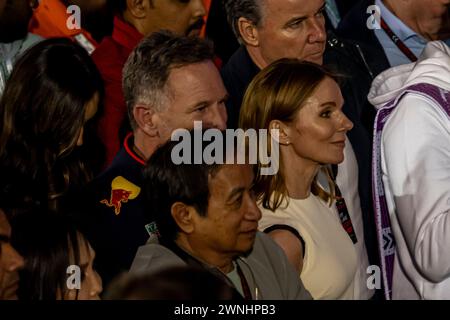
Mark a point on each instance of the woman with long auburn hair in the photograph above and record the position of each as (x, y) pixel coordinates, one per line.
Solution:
(303, 102)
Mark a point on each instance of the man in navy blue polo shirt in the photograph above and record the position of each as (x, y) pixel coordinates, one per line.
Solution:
(169, 82)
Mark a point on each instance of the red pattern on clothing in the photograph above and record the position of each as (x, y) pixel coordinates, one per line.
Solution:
(110, 57)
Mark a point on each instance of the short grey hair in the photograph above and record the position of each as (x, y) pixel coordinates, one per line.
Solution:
(248, 9)
(147, 69)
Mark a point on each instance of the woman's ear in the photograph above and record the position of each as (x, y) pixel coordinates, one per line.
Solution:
(280, 132)
(248, 32)
(183, 216)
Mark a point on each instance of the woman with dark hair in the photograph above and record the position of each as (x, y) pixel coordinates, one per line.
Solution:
(303, 103)
(58, 260)
(52, 92)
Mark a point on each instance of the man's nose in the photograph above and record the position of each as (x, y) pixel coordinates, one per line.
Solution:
(317, 31)
(218, 117)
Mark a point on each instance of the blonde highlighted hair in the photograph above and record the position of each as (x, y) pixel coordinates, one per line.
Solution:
(277, 93)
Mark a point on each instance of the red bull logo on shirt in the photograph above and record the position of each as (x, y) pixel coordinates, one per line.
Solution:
(122, 190)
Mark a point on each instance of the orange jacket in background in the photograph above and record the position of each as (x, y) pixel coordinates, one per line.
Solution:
(50, 20)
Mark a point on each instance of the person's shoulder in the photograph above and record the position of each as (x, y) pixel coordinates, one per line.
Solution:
(237, 74)
(119, 187)
(106, 44)
(269, 260)
(416, 112)
(238, 61)
(122, 164)
(31, 39)
(342, 51)
(153, 257)
(263, 240)
(265, 248)
(353, 24)
(354, 62)
(281, 216)
(106, 176)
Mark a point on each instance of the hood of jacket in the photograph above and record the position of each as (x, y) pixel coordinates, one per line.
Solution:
(433, 67)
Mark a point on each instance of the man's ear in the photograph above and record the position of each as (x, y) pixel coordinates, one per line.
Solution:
(248, 32)
(183, 216)
(145, 119)
(138, 8)
(283, 132)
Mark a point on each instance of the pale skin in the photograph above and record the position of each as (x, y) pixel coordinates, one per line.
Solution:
(289, 29)
(429, 18)
(195, 93)
(316, 137)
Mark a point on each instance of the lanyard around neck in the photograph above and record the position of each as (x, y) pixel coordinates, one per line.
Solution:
(341, 207)
(245, 286)
(399, 43)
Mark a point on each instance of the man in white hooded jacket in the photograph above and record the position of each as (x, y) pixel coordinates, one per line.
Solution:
(412, 141)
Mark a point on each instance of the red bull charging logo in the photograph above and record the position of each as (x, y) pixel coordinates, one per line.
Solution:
(122, 190)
